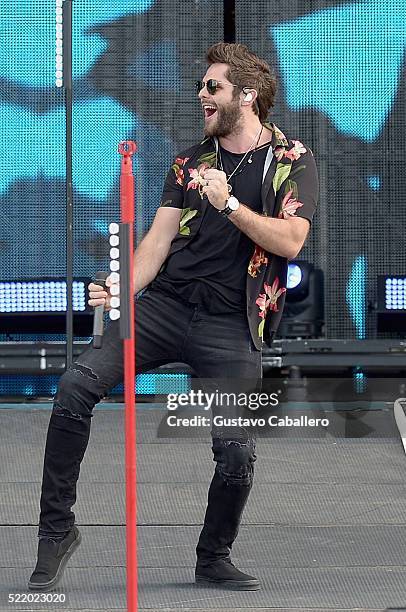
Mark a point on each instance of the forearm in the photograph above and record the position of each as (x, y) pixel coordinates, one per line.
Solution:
(148, 259)
(274, 235)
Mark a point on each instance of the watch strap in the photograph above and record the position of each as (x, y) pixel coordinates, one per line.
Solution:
(226, 211)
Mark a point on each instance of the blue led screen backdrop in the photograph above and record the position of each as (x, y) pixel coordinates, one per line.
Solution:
(134, 67)
(341, 68)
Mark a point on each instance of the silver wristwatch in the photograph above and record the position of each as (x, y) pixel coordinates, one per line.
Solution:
(232, 204)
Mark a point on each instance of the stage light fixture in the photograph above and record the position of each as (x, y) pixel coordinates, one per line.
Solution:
(294, 276)
(391, 306)
(303, 315)
(39, 306)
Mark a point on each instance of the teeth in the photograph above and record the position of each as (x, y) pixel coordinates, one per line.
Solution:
(206, 106)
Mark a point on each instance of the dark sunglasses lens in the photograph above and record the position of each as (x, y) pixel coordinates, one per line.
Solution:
(211, 86)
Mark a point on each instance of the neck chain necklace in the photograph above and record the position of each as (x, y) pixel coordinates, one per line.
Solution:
(252, 148)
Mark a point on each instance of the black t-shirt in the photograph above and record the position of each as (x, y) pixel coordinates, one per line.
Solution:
(212, 269)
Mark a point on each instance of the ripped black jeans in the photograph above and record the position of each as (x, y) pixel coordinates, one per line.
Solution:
(167, 331)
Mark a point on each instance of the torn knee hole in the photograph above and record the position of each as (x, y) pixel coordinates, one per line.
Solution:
(228, 443)
(244, 476)
(66, 412)
(83, 371)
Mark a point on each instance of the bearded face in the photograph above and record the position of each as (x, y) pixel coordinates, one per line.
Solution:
(222, 110)
(222, 118)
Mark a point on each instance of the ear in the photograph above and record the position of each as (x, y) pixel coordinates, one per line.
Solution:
(250, 96)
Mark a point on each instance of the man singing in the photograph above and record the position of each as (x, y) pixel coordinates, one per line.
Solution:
(235, 208)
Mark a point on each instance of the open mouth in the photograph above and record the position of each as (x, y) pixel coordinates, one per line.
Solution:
(209, 111)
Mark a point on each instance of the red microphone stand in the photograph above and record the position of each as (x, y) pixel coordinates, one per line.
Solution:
(127, 333)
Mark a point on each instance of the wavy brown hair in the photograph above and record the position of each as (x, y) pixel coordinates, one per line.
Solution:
(246, 70)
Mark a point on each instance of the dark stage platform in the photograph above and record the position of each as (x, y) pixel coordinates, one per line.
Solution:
(325, 526)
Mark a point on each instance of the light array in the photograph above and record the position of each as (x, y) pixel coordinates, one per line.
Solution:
(395, 293)
(114, 240)
(58, 44)
(146, 384)
(40, 296)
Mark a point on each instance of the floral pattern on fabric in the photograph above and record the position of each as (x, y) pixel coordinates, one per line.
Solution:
(186, 216)
(280, 138)
(208, 158)
(296, 151)
(256, 261)
(279, 153)
(268, 301)
(281, 174)
(283, 170)
(289, 206)
(197, 175)
(178, 169)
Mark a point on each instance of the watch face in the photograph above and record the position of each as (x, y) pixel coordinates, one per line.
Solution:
(233, 203)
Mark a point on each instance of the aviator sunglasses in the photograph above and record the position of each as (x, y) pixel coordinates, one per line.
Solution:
(212, 85)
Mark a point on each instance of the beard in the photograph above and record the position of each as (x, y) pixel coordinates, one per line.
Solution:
(227, 120)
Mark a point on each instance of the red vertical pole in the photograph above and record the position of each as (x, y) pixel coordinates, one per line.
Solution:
(127, 205)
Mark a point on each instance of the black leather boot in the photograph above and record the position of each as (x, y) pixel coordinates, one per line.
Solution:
(226, 503)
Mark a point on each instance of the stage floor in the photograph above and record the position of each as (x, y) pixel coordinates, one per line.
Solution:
(324, 529)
